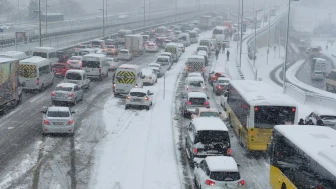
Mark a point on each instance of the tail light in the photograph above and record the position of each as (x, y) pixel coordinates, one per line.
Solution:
(68, 62)
(100, 70)
(319, 187)
(187, 87)
(70, 95)
(37, 81)
(128, 97)
(46, 122)
(194, 150)
(203, 88)
(229, 151)
(218, 86)
(76, 49)
(70, 122)
(203, 69)
(241, 183)
(209, 182)
(187, 68)
(188, 103)
(136, 85)
(146, 98)
(53, 93)
(206, 103)
(293, 109)
(255, 108)
(114, 85)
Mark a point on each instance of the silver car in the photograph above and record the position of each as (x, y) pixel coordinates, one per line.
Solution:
(67, 92)
(317, 75)
(58, 120)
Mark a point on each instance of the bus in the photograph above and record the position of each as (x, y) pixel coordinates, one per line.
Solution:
(219, 33)
(303, 157)
(254, 108)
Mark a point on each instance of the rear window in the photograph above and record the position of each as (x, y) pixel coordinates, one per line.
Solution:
(73, 76)
(91, 64)
(40, 54)
(223, 81)
(208, 137)
(138, 94)
(61, 88)
(162, 60)
(123, 52)
(197, 101)
(95, 43)
(318, 72)
(75, 58)
(58, 114)
(209, 114)
(225, 176)
(196, 83)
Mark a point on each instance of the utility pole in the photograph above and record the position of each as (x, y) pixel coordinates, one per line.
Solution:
(269, 33)
(103, 18)
(239, 24)
(241, 34)
(106, 12)
(144, 14)
(40, 25)
(175, 11)
(18, 10)
(149, 4)
(46, 16)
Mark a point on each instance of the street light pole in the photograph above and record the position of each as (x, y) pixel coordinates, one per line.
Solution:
(241, 34)
(106, 11)
(144, 14)
(269, 33)
(239, 25)
(149, 4)
(46, 16)
(40, 25)
(286, 54)
(103, 18)
(175, 11)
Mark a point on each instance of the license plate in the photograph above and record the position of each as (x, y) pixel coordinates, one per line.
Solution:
(212, 151)
(58, 123)
(120, 90)
(136, 100)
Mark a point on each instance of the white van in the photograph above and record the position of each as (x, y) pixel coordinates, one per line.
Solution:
(14, 54)
(83, 52)
(319, 64)
(165, 63)
(173, 48)
(98, 43)
(193, 37)
(78, 77)
(195, 63)
(46, 52)
(184, 38)
(170, 55)
(219, 33)
(35, 73)
(126, 77)
(95, 66)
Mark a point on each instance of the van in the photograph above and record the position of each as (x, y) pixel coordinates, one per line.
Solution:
(193, 37)
(46, 52)
(205, 42)
(95, 66)
(173, 48)
(195, 63)
(82, 52)
(203, 48)
(319, 64)
(14, 54)
(35, 73)
(165, 63)
(78, 77)
(184, 38)
(126, 77)
(98, 43)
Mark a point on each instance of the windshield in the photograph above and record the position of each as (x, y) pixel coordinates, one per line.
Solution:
(58, 114)
(225, 176)
(62, 88)
(91, 64)
(217, 31)
(40, 54)
(267, 117)
(213, 136)
(110, 46)
(197, 100)
(162, 60)
(209, 114)
(223, 81)
(73, 76)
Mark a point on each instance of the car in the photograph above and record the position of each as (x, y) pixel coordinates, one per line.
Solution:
(80, 46)
(148, 76)
(60, 69)
(111, 50)
(214, 75)
(194, 84)
(165, 63)
(139, 97)
(58, 120)
(221, 85)
(170, 55)
(220, 172)
(113, 62)
(206, 136)
(75, 62)
(328, 117)
(8, 26)
(207, 112)
(156, 68)
(203, 48)
(151, 47)
(204, 53)
(124, 54)
(181, 46)
(68, 93)
(191, 101)
(317, 75)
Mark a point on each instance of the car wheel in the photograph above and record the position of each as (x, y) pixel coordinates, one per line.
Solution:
(126, 107)
(75, 101)
(52, 82)
(147, 108)
(42, 87)
(82, 98)
(100, 77)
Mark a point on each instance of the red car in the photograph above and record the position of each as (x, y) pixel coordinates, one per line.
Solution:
(60, 69)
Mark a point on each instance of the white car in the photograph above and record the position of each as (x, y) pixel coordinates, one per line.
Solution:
(151, 47)
(139, 97)
(170, 55)
(317, 75)
(75, 62)
(58, 120)
(194, 84)
(148, 76)
(156, 68)
(220, 172)
(125, 54)
(328, 117)
(113, 62)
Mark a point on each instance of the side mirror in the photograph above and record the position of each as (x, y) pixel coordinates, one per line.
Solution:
(73, 112)
(220, 113)
(151, 94)
(43, 111)
(196, 164)
(208, 98)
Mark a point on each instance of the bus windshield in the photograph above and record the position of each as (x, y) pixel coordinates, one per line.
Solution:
(40, 54)
(266, 117)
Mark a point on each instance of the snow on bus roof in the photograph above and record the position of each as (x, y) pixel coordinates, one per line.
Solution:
(221, 164)
(209, 124)
(33, 59)
(318, 142)
(260, 93)
(2, 59)
(129, 66)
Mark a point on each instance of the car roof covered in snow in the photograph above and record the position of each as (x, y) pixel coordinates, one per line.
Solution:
(139, 90)
(154, 64)
(209, 124)
(197, 95)
(165, 57)
(224, 78)
(318, 142)
(258, 93)
(193, 74)
(166, 53)
(195, 79)
(124, 50)
(66, 85)
(202, 52)
(146, 71)
(324, 111)
(58, 108)
(221, 164)
(196, 57)
(3, 60)
(76, 71)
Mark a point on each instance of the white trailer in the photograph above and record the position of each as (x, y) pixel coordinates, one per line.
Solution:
(134, 43)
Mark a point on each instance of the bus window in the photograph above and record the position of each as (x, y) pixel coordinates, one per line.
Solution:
(266, 117)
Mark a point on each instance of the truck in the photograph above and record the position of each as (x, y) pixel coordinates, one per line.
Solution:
(134, 43)
(10, 88)
(205, 22)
